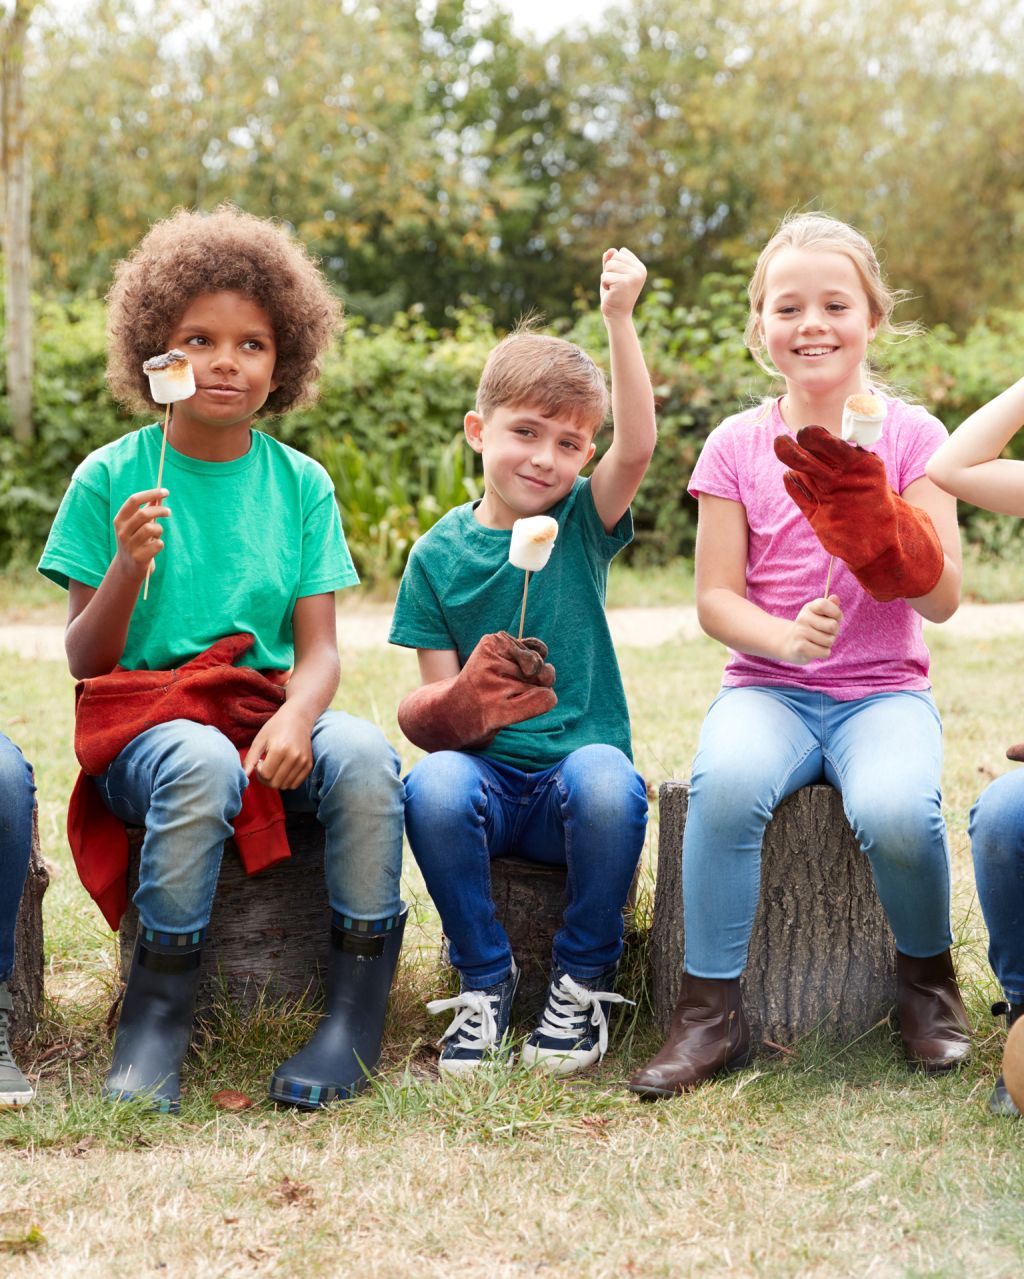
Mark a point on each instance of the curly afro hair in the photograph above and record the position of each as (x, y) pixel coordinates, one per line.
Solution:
(189, 254)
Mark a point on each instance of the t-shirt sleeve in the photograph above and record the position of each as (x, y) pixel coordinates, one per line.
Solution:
(326, 561)
(603, 544)
(80, 545)
(716, 472)
(418, 620)
(923, 438)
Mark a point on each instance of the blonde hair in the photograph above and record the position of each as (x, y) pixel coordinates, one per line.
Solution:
(547, 374)
(820, 233)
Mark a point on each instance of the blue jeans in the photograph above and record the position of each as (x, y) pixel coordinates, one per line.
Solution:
(587, 813)
(997, 846)
(17, 798)
(882, 753)
(184, 782)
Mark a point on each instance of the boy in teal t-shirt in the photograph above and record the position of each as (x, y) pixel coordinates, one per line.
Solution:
(521, 759)
(254, 545)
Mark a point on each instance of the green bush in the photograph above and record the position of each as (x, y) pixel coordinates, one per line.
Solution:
(388, 424)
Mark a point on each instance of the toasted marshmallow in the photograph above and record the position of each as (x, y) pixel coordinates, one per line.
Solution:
(863, 416)
(532, 540)
(170, 377)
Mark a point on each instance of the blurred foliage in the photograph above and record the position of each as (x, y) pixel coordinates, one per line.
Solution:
(429, 153)
(388, 424)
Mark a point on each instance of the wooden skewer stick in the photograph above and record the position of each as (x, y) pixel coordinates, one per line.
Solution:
(522, 613)
(159, 484)
(828, 579)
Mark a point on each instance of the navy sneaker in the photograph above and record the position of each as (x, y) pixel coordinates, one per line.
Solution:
(572, 1033)
(479, 1030)
(1000, 1102)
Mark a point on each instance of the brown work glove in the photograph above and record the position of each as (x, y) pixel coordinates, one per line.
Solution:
(892, 548)
(504, 681)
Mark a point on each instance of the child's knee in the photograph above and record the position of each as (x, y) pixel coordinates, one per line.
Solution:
(602, 780)
(201, 757)
(445, 781)
(343, 742)
(996, 824)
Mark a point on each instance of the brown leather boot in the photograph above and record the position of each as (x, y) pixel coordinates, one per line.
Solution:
(708, 1034)
(933, 1023)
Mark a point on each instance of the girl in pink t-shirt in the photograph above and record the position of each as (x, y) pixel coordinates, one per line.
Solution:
(818, 687)
(970, 466)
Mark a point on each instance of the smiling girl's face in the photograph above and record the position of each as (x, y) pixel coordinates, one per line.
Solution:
(817, 321)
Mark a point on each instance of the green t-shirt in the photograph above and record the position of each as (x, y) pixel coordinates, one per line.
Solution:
(459, 586)
(244, 541)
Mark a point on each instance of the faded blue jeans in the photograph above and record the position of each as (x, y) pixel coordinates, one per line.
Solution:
(17, 797)
(184, 782)
(587, 813)
(882, 753)
(997, 846)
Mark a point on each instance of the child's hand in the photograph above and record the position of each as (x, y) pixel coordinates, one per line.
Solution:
(137, 532)
(813, 632)
(622, 278)
(282, 751)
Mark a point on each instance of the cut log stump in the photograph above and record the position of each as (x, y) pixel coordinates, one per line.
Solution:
(822, 957)
(269, 933)
(26, 981)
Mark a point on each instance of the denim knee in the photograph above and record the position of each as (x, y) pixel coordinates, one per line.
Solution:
(604, 784)
(16, 784)
(907, 835)
(996, 825)
(443, 784)
(352, 751)
(201, 760)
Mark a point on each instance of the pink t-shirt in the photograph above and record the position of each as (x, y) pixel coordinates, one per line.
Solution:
(880, 647)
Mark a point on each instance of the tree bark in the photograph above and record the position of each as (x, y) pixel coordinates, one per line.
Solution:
(822, 957)
(26, 983)
(17, 173)
(269, 933)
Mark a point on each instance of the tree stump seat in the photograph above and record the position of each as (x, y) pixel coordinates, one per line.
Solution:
(26, 981)
(269, 933)
(822, 957)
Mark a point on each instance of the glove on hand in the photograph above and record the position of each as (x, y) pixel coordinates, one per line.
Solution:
(504, 682)
(891, 547)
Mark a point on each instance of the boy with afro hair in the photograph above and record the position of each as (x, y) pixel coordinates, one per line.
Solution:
(245, 568)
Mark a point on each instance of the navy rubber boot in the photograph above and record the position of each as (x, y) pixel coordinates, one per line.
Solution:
(155, 1028)
(345, 1047)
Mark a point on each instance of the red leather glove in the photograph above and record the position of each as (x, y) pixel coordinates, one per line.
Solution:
(891, 547)
(504, 682)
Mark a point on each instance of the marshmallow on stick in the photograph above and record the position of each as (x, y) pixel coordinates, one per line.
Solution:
(170, 379)
(863, 417)
(532, 541)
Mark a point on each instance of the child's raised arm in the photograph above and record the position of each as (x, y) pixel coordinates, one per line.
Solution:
(618, 474)
(968, 465)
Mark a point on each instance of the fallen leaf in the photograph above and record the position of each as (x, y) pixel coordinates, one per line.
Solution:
(229, 1099)
(294, 1192)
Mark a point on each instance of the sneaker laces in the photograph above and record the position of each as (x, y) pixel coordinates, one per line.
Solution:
(566, 1011)
(6, 1059)
(473, 1022)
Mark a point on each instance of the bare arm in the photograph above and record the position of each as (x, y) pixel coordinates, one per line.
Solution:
(943, 599)
(727, 615)
(618, 474)
(99, 617)
(437, 663)
(968, 465)
(282, 751)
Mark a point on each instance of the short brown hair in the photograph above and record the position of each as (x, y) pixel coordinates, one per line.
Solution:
(189, 254)
(547, 374)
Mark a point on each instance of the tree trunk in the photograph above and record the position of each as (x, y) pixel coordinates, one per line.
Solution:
(269, 933)
(822, 957)
(17, 174)
(26, 983)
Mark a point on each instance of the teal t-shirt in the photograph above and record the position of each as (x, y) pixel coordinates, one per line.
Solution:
(459, 586)
(244, 541)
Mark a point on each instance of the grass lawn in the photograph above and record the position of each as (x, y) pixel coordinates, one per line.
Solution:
(831, 1161)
